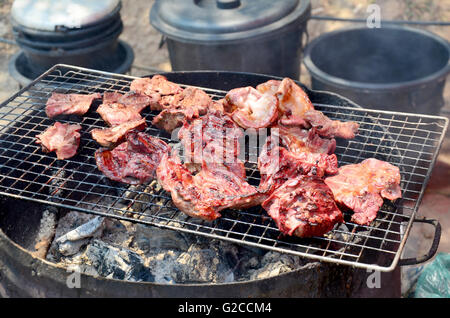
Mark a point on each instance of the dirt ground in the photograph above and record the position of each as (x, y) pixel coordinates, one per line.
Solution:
(145, 40)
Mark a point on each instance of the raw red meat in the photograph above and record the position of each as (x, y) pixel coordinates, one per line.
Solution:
(362, 187)
(63, 139)
(210, 191)
(303, 207)
(109, 137)
(133, 161)
(69, 104)
(251, 109)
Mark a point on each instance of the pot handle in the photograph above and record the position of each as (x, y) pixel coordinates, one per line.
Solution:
(433, 248)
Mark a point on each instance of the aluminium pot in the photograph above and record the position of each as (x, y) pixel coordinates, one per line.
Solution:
(390, 68)
(82, 33)
(233, 35)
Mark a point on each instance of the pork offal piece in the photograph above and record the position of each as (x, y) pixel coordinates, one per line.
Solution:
(69, 104)
(303, 207)
(156, 84)
(63, 139)
(328, 128)
(298, 140)
(118, 108)
(296, 109)
(208, 192)
(362, 187)
(109, 137)
(133, 161)
(250, 108)
(213, 138)
(189, 104)
(278, 165)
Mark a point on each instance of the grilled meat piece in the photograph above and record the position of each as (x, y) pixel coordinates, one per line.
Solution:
(109, 137)
(251, 109)
(296, 109)
(135, 100)
(328, 128)
(63, 139)
(189, 104)
(158, 84)
(133, 161)
(214, 139)
(210, 191)
(69, 104)
(303, 207)
(298, 140)
(362, 187)
(277, 165)
(118, 108)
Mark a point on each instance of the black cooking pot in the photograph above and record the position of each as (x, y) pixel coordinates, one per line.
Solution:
(236, 35)
(390, 68)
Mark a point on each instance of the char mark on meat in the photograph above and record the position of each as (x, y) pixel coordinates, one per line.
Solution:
(69, 104)
(362, 187)
(303, 207)
(110, 137)
(63, 139)
(208, 192)
(134, 161)
(157, 84)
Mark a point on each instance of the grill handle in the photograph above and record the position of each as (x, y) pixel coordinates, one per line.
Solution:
(433, 248)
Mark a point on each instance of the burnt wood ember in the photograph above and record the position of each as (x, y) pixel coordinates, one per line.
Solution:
(63, 139)
(210, 191)
(109, 137)
(303, 207)
(362, 187)
(69, 104)
(250, 108)
(133, 161)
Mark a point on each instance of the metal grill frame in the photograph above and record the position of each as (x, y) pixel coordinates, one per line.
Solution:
(409, 141)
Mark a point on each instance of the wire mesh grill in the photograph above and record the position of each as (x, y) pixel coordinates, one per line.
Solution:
(408, 141)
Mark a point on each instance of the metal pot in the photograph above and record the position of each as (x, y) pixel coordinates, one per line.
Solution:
(238, 35)
(391, 68)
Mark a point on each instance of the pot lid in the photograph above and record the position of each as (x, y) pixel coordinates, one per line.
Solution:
(48, 15)
(218, 20)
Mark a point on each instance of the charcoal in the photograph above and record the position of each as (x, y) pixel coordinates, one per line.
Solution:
(116, 262)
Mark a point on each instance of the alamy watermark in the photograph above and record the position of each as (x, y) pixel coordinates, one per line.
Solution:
(374, 19)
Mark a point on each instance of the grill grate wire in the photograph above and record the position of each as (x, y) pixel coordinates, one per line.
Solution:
(408, 141)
